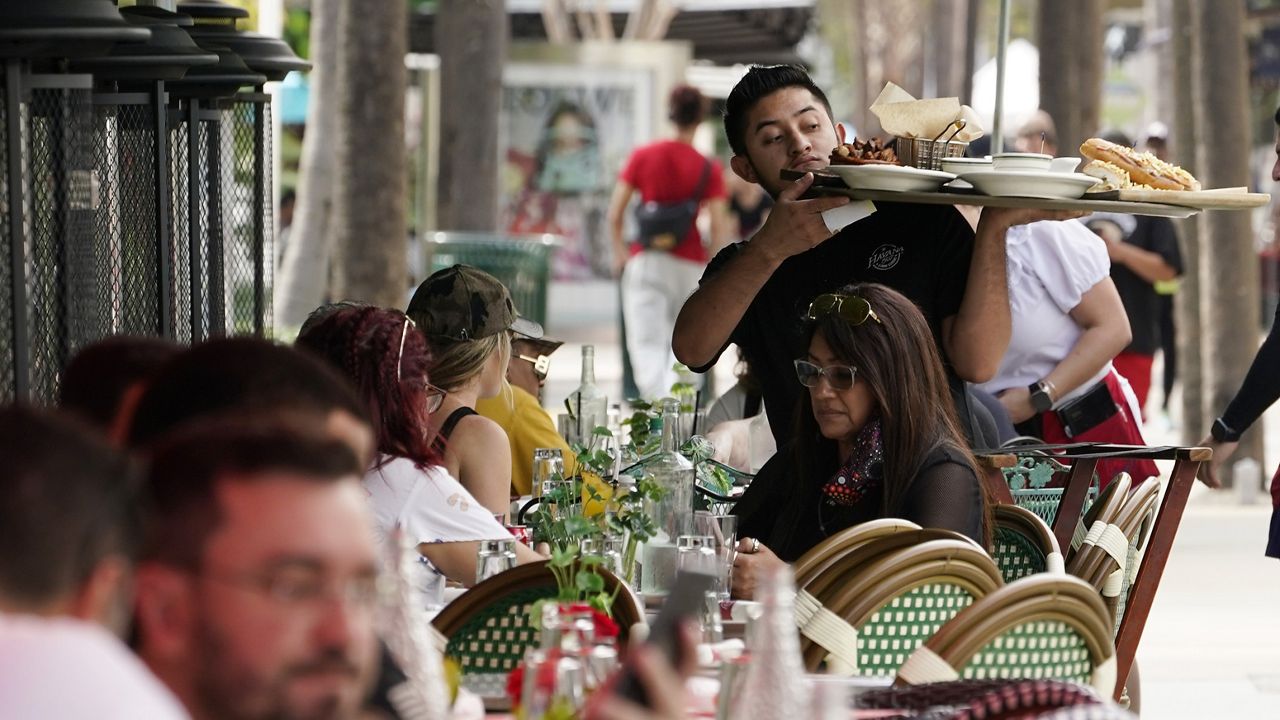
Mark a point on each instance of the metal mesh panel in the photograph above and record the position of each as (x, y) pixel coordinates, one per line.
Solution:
(243, 225)
(7, 348)
(205, 196)
(179, 254)
(125, 142)
(265, 165)
(64, 263)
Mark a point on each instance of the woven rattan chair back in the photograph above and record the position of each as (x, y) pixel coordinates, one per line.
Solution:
(901, 598)
(1023, 543)
(1105, 509)
(839, 573)
(1041, 627)
(822, 555)
(488, 628)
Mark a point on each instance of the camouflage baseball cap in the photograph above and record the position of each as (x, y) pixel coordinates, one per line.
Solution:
(465, 303)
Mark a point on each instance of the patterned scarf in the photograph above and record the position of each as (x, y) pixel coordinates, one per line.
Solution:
(861, 471)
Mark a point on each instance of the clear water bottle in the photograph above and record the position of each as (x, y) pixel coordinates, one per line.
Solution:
(588, 403)
(674, 513)
(774, 686)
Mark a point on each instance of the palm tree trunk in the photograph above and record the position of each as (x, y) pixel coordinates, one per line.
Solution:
(1187, 302)
(304, 269)
(1229, 307)
(472, 40)
(370, 213)
(1070, 35)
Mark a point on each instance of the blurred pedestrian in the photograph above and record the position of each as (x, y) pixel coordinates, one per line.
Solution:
(660, 267)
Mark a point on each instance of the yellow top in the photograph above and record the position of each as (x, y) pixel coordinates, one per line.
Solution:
(528, 428)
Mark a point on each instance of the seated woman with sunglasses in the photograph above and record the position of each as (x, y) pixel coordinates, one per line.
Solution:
(876, 437)
(386, 359)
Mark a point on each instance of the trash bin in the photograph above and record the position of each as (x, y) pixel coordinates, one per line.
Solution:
(521, 262)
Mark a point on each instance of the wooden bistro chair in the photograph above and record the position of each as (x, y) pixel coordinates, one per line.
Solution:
(1102, 513)
(891, 606)
(1024, 544)
(844, 570)
(824, 554)
(488, 627)
(1040, 627)
(1110, 562)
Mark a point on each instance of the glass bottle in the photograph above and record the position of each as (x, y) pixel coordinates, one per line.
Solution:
(588, 403)
(673, 514)
(495, 557)
(774, 685)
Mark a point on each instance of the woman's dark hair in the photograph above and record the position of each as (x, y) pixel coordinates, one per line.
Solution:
(760, 82)
(899, 361)
(363, 343)
(686, 106)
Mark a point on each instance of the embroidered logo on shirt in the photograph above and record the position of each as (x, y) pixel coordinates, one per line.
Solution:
(885, 257)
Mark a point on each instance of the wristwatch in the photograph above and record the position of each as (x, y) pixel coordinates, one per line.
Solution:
(1222, 432)
(1041, 400)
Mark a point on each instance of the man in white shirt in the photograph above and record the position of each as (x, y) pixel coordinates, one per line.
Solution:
(257, 581)
(68, 534)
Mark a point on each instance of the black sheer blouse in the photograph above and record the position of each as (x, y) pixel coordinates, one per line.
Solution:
(790, 515)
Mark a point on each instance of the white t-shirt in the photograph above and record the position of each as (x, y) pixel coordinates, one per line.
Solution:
(1051, 265)
(56, 668)
(432, 507)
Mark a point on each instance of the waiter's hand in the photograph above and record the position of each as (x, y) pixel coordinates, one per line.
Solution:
(750, 563)
(794, 225)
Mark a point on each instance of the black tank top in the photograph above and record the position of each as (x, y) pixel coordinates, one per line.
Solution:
(450, 423)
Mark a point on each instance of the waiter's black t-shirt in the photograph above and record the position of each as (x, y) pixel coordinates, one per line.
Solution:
(922, 251)
(1141, 303)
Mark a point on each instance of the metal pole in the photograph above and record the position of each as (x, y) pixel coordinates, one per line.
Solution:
(193, 219)
(164, 278)
(17, 232)
(216, 240)
(1002, 49)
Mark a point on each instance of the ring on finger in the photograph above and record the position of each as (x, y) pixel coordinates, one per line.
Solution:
(755, 545)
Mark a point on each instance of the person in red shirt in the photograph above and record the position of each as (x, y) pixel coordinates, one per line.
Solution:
(656, 279)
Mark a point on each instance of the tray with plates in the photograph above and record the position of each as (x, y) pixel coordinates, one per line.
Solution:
(829, 183)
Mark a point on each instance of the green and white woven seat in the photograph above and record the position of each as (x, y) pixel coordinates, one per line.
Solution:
(875, 617)
(1023, 544)
(1043, 627)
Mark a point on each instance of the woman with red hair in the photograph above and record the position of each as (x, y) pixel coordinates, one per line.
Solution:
(385, 356)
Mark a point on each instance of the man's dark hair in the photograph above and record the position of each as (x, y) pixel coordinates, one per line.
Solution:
(96, 379)
(760, 82)
(686, 106)
(68, 500)
(1118, 137)
(242, 374)
(1277, 117)
(187, 465)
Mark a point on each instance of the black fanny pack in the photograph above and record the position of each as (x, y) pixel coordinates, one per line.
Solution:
(662, 226)
(1088, 411)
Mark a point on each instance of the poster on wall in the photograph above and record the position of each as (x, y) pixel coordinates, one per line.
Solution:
(564, 134)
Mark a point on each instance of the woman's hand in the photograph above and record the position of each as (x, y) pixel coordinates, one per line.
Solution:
(1208, 473)
(1017, 401)
(749, 564)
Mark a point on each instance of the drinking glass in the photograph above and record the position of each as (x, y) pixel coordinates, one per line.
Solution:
(723, 530)
(696, 553)
(495, 557)
(548, 464)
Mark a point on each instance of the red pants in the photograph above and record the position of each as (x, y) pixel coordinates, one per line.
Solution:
(1119, 429)
(1136, 368)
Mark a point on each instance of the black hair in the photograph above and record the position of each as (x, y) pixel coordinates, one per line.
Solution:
(68, 500)
(1277, 117)
(1118, 137)
(96, 379)
(241, 374)
(686, 106)
(760, 82)
(187, 465)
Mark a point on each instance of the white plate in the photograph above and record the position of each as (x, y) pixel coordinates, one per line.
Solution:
(891, 177)
(1049, 185)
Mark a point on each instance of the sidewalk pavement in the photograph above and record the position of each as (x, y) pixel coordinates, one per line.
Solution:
(1211, 647)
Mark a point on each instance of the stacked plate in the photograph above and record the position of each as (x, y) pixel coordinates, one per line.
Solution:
(891, 177)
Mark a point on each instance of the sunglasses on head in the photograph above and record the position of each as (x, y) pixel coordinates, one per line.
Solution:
(541, 365)
(853, 309)
(840, 377)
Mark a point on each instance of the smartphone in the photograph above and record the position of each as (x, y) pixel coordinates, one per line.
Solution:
(685, 601)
